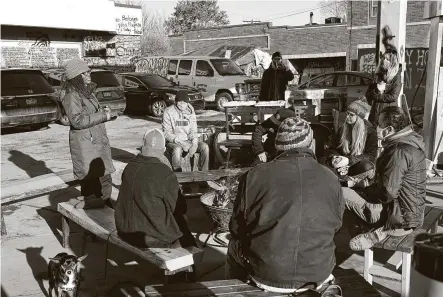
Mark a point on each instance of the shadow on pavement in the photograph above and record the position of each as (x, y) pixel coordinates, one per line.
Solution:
(38, 265)
(121, 155)
(27, 163)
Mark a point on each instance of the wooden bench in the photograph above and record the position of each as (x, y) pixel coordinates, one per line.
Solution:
(349, 280)
(101, 223)
(403, 247)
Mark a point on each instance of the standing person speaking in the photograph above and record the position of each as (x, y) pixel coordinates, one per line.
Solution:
(88, 140)
(275, 80)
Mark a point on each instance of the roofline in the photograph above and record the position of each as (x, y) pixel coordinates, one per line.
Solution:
(181, 57)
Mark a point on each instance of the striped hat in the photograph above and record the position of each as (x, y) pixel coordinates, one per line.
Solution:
(75, 67)
(293, 133)
(360, 107)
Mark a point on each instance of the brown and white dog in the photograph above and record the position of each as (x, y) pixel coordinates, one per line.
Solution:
(63, 272)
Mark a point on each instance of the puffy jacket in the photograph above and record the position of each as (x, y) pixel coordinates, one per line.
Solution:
(400, 179)
(88, 140)
(180, 125)
(370, 150)
(274, 83)
(148, 204)
(284, 220)
(389, 97)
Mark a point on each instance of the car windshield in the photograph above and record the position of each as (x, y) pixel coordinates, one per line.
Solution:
(16, 83)
(104, 79)
(156, 81)
(226, 67)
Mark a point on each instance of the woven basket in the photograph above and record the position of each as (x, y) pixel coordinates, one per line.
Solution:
(220, 216)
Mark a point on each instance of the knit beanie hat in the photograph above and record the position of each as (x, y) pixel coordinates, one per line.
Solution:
(75, 67)
(154, 142)
(181, 96)
(276, 54)
(293, 132)
(360, 107)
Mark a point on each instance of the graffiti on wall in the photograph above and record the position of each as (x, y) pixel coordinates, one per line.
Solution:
(415, 60)
(152, 65)
(97, 46)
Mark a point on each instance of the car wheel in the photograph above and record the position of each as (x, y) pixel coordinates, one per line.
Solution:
(221, 99)
(157, 108)
(64, 120)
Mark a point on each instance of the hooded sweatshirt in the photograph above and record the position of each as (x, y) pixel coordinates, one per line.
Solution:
(179, 124)
(400, 180)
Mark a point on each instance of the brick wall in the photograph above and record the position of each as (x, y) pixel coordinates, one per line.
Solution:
(259, 42)
(176, 44)
(415, 11)
(360, 13)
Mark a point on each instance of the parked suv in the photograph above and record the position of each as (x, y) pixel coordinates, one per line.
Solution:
(152, 93)
(215, 77)
(109, 91)
(27, 99)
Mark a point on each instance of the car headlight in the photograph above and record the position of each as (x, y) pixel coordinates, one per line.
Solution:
(171, 96)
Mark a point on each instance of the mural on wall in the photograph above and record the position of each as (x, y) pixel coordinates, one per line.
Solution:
(157, 65)
(415, 60)
(38, 52)
(97, 46)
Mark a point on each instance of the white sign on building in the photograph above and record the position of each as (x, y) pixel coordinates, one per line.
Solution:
(128, 20)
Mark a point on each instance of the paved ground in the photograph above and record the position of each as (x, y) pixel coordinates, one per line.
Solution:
(34, 226)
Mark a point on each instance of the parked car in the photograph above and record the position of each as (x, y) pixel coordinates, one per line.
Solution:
(152, 93)
(27, 99)
(109, 91)
(215, 77)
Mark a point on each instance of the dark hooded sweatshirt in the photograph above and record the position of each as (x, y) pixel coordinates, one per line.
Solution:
(274, 83)
(400, 180)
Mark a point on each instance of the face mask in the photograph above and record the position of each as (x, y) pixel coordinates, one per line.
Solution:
(381, 134)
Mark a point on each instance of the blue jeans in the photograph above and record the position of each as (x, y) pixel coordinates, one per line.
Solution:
(177, 155)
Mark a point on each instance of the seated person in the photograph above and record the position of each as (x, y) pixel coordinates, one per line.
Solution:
(150, 210)
(354, 148)
(265, 151)
(285, 217)
(394, 204)
(180, 128)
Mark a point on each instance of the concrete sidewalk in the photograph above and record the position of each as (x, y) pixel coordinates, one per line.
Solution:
(34, 236)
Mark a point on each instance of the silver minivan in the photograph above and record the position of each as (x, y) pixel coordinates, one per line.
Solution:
(217, 78)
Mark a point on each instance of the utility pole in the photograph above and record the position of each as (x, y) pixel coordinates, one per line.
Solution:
(393, 14)
(377, 37)
(433, 116)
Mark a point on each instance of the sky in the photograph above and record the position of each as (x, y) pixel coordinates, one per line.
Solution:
(280, 13)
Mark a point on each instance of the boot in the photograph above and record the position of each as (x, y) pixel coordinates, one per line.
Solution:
(82, 203)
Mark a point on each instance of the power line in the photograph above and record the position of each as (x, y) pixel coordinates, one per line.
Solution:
(300, 12)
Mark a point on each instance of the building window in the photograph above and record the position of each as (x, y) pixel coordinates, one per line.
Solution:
(374, 8)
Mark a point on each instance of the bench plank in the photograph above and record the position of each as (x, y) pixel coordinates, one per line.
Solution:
(101, 222)
(199, 176)
(349, 280)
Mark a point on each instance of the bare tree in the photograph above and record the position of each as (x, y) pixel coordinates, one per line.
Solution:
(154, 40)
(335, 8)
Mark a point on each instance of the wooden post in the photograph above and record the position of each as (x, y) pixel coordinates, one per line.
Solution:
(433, 114)
(4, 232)
(66, 230)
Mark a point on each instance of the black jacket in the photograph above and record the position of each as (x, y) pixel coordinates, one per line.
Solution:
(379, 101)
(269, 128)
(274, 83)
(148, 204)
(400, 179)
(369, 153)
(284, 220)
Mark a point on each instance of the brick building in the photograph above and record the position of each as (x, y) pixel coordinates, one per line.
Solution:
(45, 34)
(319, 48)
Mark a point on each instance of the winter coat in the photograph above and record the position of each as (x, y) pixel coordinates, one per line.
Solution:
(284, 220)
(274, 83)
(400, 179)
(369, 152)
(88, 140)
(179, 124)
(269, 128)
(148, 204)
(379, 101)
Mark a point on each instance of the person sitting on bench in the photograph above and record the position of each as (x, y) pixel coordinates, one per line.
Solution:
(394, 204)
(180, 128)
(264, 150)
(150, 211)
(354, 148)
(285, 216)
